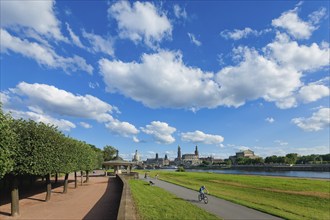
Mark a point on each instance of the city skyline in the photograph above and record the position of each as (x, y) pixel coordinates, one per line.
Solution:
(149, 76)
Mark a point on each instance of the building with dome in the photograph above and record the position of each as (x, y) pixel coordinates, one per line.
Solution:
(136, 157)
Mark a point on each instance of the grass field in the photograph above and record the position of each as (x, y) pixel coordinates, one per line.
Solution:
(153, 202)
(290, 198)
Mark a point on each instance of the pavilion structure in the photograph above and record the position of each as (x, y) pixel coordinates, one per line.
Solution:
(117, 163)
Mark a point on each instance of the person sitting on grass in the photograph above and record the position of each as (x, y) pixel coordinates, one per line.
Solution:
(201, 191)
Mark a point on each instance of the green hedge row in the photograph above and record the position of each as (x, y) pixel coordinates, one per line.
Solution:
(31, 148)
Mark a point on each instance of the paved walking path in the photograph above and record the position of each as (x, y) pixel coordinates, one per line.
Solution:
(221, 208)
(98, 199)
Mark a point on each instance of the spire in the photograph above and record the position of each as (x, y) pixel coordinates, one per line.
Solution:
(136, 156)
(179, 152)
(196, 151)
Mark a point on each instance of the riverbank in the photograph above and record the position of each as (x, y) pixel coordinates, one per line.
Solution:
(289, 198)
(268, 168)
(285, 174)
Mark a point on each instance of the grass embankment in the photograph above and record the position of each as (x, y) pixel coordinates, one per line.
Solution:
(153, 202)
(290, 198)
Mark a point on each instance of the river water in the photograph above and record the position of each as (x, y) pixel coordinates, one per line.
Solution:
(301, 174)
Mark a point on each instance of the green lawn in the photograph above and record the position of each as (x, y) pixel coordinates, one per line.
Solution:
(290, 198)
(153, 202)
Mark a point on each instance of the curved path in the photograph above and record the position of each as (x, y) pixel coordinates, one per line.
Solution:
(221, 208)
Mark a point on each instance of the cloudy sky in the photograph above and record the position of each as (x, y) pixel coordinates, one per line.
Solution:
(149, 76)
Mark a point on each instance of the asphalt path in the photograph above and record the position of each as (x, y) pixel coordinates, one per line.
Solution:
(221, 208)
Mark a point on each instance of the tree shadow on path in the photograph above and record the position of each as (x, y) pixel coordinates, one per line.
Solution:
(107, 206)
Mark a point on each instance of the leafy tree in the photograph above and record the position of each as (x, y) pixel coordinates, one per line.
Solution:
(205, 162)
(99, 156)
(271, 159)
(326, 157)
(280, 160)
(37, 149)
(8, 144)
(109, 152)
(291, 158)
(228, 162)
(69, 159)
(241, 161)
(38, 152)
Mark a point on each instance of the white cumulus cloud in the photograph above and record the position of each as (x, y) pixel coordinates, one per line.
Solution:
(56, 101)
(295, 26)
(290, 54)
(43, 54)
(270, 120)
(318, 121)
(38, 16)
(44, 101)
(238, 34)
(99, 43)
(201, 137)
(62, 124)
(256, 77)
(124, 129)
(313, 92)
(141, 22)
(160, 131)
(158, 79)
(85, 125)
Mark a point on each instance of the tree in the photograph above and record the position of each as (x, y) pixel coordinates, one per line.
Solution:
(99, 156)
(36, 149)
(326, 157)
(207, 163)
(242, 161)
(109, 152)
(69, 159)
(291, 158)
(8, 147)
(37, 154)
(280, 160)
(8, 144)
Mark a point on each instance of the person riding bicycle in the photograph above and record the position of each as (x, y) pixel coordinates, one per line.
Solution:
(201, 191)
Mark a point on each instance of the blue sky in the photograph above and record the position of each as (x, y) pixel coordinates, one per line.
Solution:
(149, 76)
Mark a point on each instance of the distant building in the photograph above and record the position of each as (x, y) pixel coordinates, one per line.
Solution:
(157, 162)
(179, 153)
(211, 160)
(243, 154)
(136, 156)
(188, 159)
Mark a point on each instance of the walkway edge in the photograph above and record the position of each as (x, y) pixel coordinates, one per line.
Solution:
(126, 209)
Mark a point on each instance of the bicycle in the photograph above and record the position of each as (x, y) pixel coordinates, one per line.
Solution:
(202, 196)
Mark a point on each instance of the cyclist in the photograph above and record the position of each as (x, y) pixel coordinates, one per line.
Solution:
(201, 191)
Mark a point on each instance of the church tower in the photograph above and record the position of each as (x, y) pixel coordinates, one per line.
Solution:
(136, 156)
(179, 152)
(196, 151)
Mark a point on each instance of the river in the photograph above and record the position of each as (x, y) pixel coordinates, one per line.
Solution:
(301, 174)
